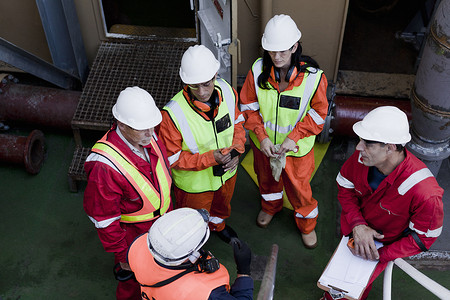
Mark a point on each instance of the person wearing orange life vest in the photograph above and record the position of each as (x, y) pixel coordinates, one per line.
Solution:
(387, 194)
(284, 102)
(169, 261)
(202, 129)
(129, 181)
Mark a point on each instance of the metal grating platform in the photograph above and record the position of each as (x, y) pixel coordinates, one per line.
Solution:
(151, 65)
(76, 169)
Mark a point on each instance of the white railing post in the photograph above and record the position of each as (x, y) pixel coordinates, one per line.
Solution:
(426, 282)
(387, 281)
(431, 285)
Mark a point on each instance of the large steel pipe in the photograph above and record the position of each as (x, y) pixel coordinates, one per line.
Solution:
(348, 110)
(430, 98)
(49, 107)
(23, 150)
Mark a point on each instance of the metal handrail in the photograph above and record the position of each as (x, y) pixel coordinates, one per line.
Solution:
(268, 281)
(429, 284)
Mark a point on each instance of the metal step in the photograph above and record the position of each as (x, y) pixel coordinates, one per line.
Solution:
(76, 170)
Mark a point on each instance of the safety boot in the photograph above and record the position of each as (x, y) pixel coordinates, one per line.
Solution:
(263, 219)
(310, 239)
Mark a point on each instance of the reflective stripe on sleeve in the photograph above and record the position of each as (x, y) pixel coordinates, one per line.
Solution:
(252, 106)
(102, 159)
(239, 119)
(215, 220)
(344, 182)
(316, 117)
(414, 179)
(174, 158)
(429, 233)
(104, 223)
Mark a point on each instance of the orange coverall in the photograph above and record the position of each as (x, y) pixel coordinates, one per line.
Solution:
(297, 173)
(216, 202)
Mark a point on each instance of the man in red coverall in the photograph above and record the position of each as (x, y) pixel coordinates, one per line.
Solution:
(128, 181)
(387, 194)
(202, 129)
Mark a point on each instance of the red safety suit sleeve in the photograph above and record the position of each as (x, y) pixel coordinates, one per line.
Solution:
(102, 202)
(253, 120)
(348, 199)
(427, 215)
(319, 103)
(173, 139)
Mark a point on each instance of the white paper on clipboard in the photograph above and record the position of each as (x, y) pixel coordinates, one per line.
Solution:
(347, 272)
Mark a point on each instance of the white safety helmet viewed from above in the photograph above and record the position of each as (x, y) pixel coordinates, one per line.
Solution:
(178, 235)
(136, 108)
(280, 34)
(198, 65)
(386, 124)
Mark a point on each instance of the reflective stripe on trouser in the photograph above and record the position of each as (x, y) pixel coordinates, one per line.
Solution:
(295, 179)
(217, 202)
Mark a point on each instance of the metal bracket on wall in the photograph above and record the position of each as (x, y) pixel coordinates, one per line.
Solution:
(27, 62)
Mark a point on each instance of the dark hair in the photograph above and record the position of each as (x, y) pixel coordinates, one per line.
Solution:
(296, 59)
(398, 147)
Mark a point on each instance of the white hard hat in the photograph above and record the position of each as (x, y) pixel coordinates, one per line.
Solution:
(386, 124)
(136, 108)
(280, 34)
(198, 65)
(178, 235)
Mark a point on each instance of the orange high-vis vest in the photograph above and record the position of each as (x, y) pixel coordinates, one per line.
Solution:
(154, 203)
(193, 285)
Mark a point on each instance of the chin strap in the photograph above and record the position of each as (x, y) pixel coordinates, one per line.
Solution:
(173, 278)
(205, 264)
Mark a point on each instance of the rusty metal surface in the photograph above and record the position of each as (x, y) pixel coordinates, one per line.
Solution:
(23, 150)
(45, 106)
(152, 66)
(350, 109)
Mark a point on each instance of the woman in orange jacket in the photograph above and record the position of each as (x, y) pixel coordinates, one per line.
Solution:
(284, 101)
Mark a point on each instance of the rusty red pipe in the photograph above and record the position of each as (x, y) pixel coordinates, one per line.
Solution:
(49, 107)
(23, 150)
(349, 109)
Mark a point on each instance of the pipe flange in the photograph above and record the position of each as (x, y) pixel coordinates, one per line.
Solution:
(33, 152)
(428, 151)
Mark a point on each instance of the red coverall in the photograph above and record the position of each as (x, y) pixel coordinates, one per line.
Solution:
(297, 173)
(108, 195)
(216, 202)
(404, 199)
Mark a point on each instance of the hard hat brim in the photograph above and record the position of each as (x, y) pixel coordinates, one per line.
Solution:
(365, 134)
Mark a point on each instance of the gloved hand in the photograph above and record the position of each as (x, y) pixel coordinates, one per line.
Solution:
(242, 256)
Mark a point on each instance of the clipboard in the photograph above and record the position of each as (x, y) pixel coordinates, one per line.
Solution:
(347, 275)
